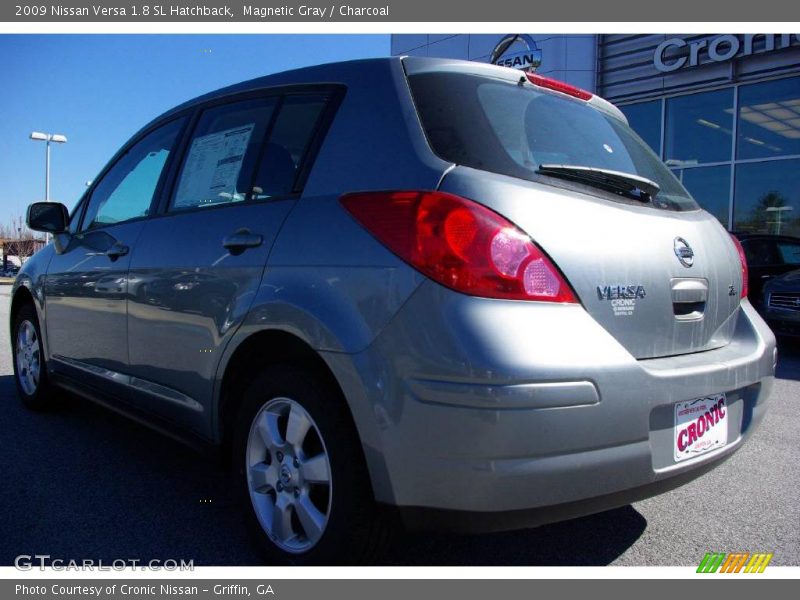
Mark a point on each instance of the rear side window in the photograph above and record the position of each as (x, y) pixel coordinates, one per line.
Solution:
(223, 153)
(511, 129)
(249, 150)
(759, 252)
(790, 253)
(126, 190)
(288, 145)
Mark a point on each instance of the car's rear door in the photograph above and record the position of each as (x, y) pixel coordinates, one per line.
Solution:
(200, 262)
(86, 284)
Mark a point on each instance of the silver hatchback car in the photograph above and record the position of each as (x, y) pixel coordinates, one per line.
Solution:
(454, 291)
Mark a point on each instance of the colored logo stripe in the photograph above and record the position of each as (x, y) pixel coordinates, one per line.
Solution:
(734, 563)
(758, 563)
(711, 562)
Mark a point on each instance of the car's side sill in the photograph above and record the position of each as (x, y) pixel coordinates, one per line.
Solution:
(147, 419)
(136, 384)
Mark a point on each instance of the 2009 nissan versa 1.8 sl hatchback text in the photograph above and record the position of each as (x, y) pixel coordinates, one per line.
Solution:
(461, 291)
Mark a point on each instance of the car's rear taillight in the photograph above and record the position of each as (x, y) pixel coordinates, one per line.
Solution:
(460, 244)
(743, 260)
(558, 86)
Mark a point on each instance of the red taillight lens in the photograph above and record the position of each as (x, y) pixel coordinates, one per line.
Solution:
(558, 86)
(743, 260)
(460, 244)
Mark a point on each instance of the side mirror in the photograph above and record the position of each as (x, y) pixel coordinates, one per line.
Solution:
(49, 217)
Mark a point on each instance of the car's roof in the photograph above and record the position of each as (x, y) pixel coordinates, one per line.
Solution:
(346, 72)
(352, 72)
(335, 72)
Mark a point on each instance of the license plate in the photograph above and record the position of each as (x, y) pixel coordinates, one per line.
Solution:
(701, 425)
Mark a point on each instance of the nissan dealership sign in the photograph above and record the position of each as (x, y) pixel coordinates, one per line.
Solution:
(676, 53)
(518, 51)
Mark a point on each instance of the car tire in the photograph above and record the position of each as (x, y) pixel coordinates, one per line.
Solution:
(301, 473)
(30, 368)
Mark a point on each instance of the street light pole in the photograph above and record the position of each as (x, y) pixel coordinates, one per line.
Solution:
(47, 138)
(47, 171)
(778, 210)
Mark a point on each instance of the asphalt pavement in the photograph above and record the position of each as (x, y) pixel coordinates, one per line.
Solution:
(82, 482)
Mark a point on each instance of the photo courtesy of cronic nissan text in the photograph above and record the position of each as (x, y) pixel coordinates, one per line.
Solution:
(489, 291)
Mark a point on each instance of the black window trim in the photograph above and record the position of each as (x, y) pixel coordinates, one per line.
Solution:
(77, 212)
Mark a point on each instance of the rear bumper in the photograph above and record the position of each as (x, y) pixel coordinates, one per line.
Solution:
(473, 522)
(486, 415)
(489, 494)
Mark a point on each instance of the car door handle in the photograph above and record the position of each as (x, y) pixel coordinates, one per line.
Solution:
(766, 277)
(116, 251)
(241, 240)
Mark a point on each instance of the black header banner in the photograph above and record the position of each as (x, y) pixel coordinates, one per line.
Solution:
(255, 11)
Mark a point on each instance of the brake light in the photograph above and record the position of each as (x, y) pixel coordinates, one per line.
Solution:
(558, 86)
(743, 261)
(460, 244)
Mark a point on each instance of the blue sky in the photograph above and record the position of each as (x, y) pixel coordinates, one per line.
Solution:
(100, 89)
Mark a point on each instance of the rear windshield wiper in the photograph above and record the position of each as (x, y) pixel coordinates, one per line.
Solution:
(634, 186)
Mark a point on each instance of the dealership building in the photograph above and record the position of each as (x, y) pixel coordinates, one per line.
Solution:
(723, 111)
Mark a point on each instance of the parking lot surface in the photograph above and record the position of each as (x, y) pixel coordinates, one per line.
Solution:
(81, 482)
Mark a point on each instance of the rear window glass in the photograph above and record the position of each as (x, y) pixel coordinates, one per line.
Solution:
(501, 127)
(790, 253)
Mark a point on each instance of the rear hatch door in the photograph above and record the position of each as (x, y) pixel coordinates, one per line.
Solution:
(661, 282)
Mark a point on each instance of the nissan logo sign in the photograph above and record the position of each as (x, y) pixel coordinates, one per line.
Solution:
(517, 51)
(683, 251)
(677, 53)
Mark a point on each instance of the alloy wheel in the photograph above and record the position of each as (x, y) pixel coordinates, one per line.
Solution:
(28, 357)
(288, 475)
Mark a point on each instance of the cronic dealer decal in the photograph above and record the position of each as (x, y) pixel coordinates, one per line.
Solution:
(622, 297)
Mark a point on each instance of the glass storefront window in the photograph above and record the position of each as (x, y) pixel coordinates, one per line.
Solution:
(767, 197)
(769, 119)
(645, 119)
(710, 186)
(699, 128)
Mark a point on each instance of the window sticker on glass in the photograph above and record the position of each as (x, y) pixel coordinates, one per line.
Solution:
(212, 168)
